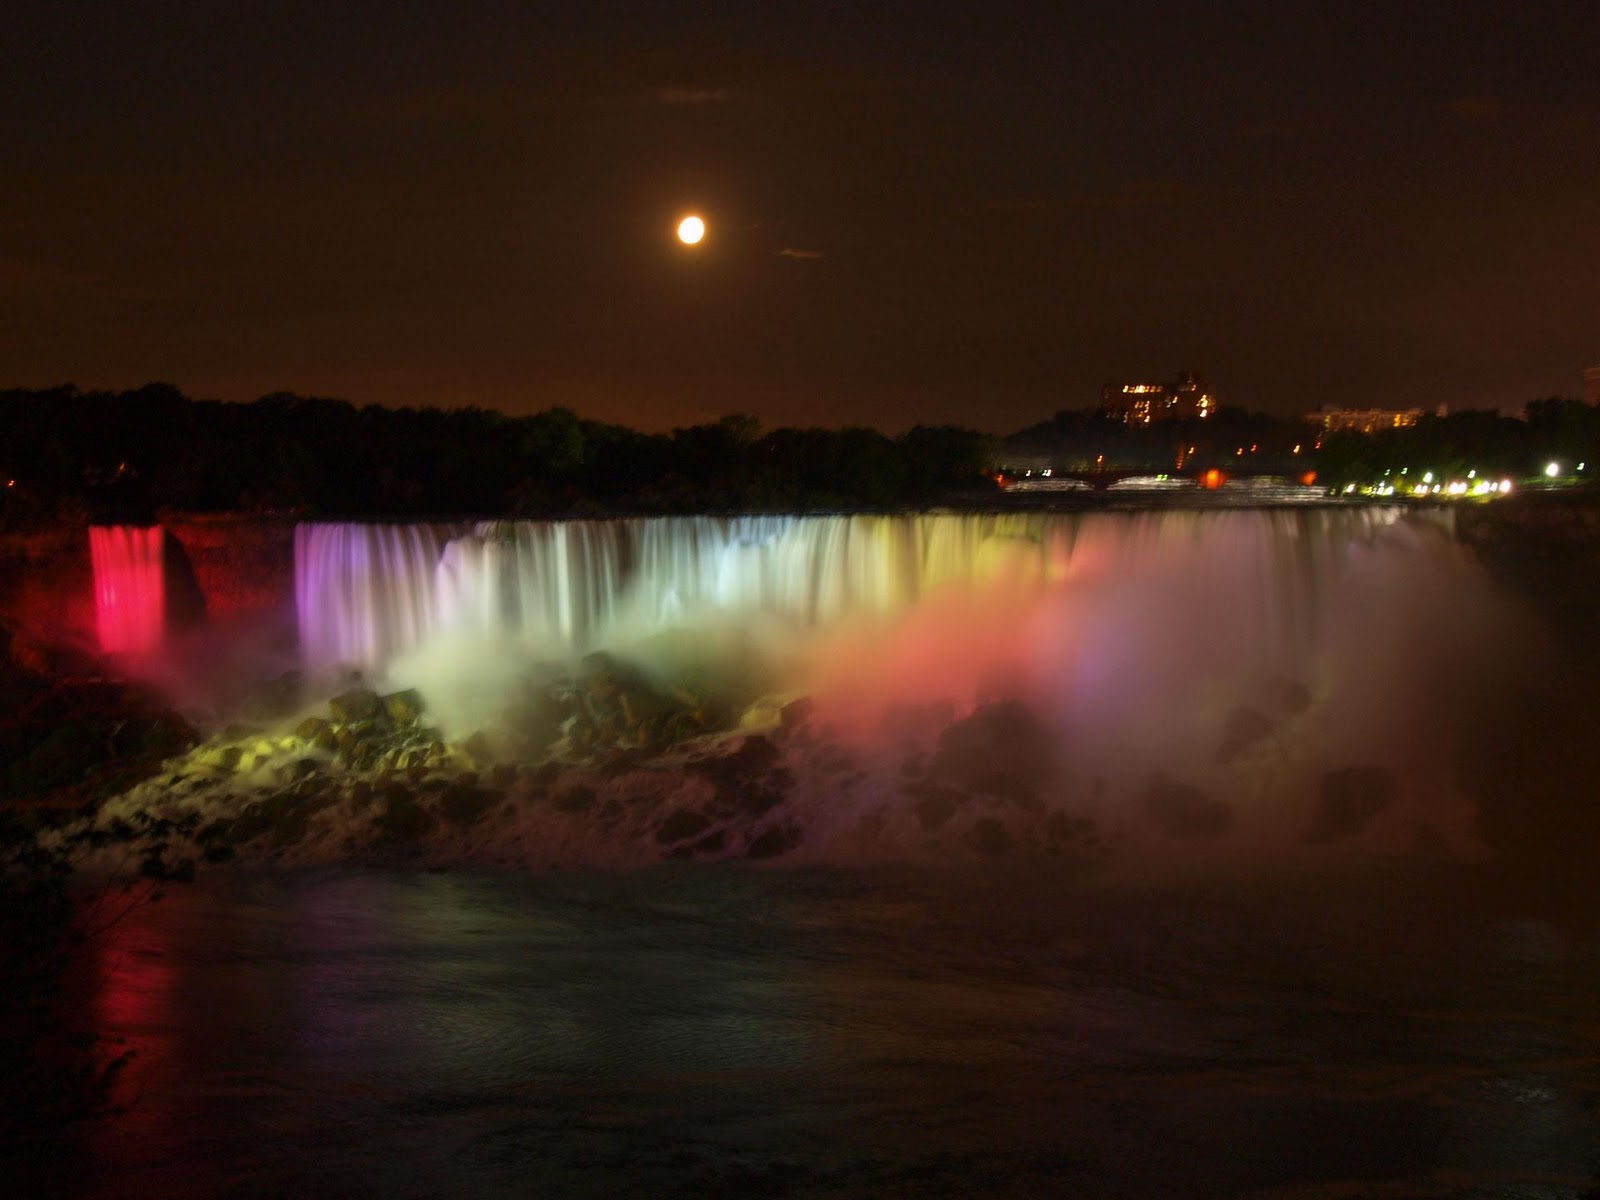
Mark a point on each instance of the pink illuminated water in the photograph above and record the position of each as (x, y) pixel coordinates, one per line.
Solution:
(129, 588)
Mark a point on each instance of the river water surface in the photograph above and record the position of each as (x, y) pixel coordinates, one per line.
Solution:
(718, 1030)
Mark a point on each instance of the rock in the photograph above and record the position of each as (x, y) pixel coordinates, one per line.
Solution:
(1182, 810)
(463, 804)
(358, 704)
(64, 755)
(1059, 828)
(780, 839)
(797, 714)
(479, 748)
(748, 780)
(990, 838)
(935, 809)
(1000, 750)
(915, 723)
(575, 799)
(302, 768)
(282, 815)
(404, 708)
(535, 722)
(1349, 799)
(680, 824)
(1243, 728)
(642, 704)
(275, 699)
(403, 819)
(312, 728)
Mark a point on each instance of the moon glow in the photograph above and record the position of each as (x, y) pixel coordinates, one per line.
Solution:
(691, 230)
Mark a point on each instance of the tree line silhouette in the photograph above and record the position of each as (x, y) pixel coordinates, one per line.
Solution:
(68, 454)
(124, 456)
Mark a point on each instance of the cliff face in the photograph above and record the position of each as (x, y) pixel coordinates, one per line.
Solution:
(1544, 549)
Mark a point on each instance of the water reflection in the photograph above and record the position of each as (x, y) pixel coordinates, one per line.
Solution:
(714, 1031)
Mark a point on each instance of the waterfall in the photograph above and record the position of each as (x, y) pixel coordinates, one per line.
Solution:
(947, 683)
(366, 592)
(1243, 577)
(129, 588)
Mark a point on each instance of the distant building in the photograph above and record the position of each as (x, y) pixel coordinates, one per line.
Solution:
(1591, 385)
(1145, 403)
(1363, 420)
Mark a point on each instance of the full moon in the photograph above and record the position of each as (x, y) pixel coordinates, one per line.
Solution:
(691, 230)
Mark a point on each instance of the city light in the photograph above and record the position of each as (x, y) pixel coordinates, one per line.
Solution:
(1552, 469)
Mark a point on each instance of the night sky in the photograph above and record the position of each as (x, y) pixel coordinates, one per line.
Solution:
(919, 213)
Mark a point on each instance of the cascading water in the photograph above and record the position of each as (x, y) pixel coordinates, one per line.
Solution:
(1250, 579)
(972, 680)
(129, 588)
(365, 592)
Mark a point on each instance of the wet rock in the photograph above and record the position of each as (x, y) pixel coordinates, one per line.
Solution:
(534, 723)
(913, 724)
(624, 761)
(990, 838)
(1349, 798)
(404, 708)
(63, 755)
(275, 699)
(479, 747)
(302, 768)
(1059, 829)
(283, 816)
(1182, 810)
(575, 799)
(935, 809)
(1243, 728)
(1000, 750)
(402, 818)
(312, 728)
(680, 824)
(358, 704)
(463, 804)
(780, 839)
(749, 779)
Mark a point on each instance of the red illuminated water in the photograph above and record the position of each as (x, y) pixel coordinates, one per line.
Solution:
(129, 588)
